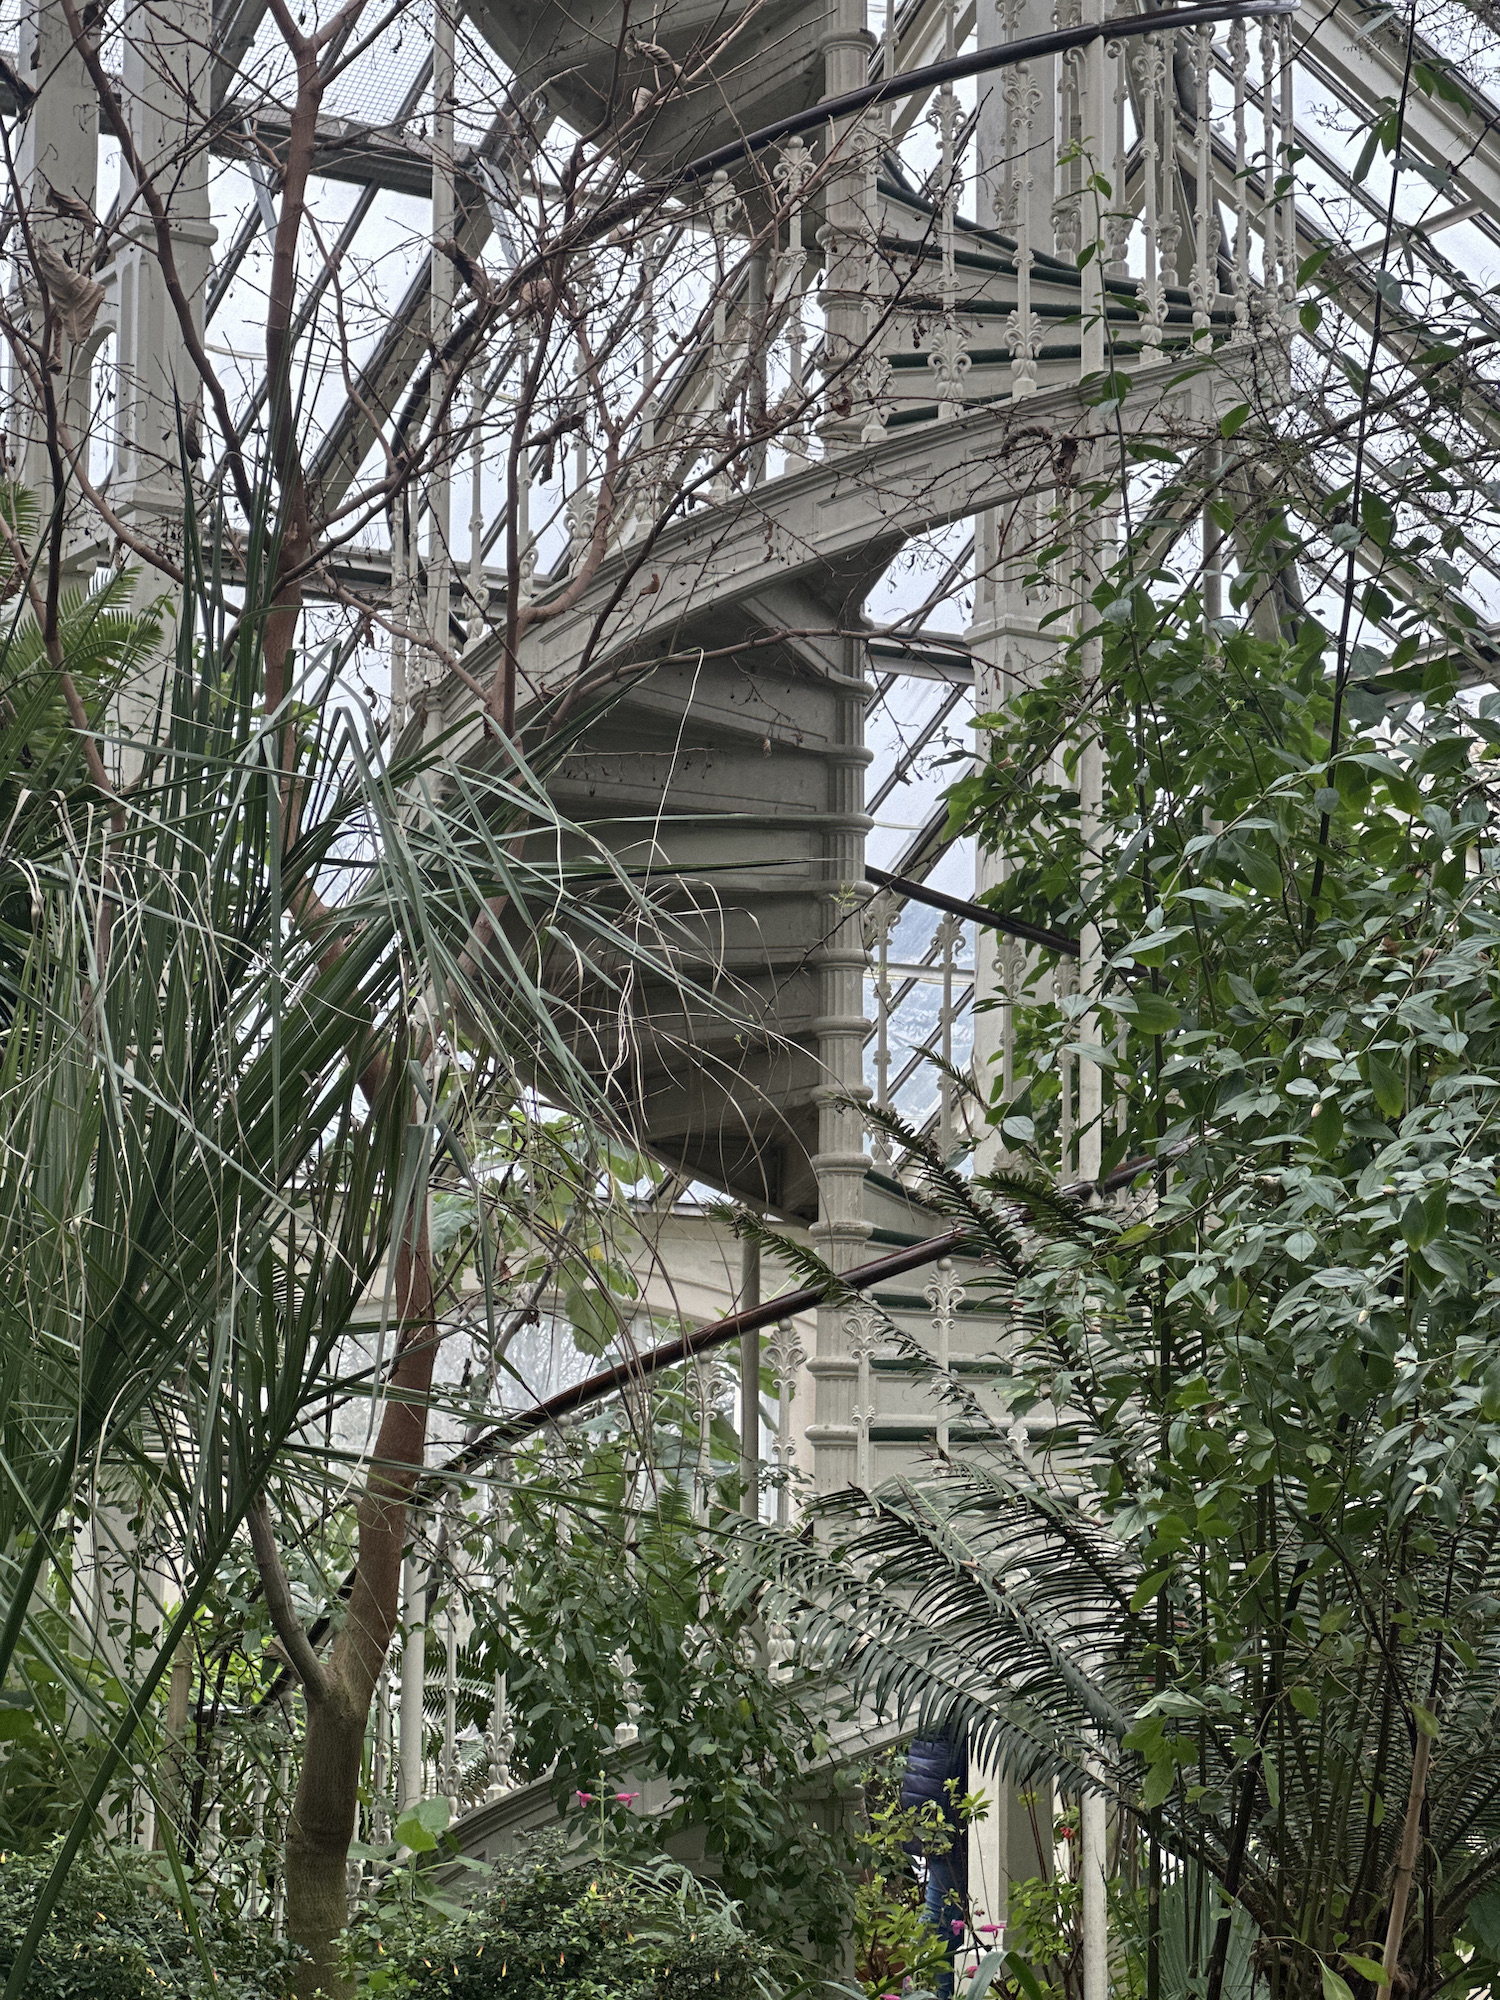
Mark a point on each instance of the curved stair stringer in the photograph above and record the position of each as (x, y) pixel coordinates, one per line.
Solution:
(729, 767)
(821, 524)
(499, 1827)
(731, 777)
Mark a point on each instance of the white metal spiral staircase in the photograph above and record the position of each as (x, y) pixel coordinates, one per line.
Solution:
(1128, 276)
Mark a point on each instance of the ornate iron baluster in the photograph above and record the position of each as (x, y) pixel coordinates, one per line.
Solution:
(862, 1326)
(1151, 67)
(1022, 100)
(723, 207)
(787, 1355)
(1204, 286)
(1239, 58)
(944, 1295)
(949, 931)
(880, 922)
(947, 354)
(793, 171)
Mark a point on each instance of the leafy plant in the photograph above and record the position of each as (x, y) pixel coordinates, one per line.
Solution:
(119, 1933)
(1247, 1573)
(549, 1923)
(893, 1941)
(219, 984)
(631, 1650)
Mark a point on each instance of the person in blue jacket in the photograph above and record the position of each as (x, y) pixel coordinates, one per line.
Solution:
(937, 1773)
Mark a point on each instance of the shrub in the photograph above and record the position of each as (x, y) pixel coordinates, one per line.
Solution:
(552, 1925)
(118, 1934)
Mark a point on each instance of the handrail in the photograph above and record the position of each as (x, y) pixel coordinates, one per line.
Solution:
(978, 62)
(973, 913)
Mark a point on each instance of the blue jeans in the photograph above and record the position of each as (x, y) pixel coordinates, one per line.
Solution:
(945, 1907)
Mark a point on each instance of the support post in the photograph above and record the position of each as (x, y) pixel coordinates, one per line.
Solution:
(57, 149)
(750, 1385)
(413, 1682)
(840, 1162)
(1092, 1829)
(440, 478)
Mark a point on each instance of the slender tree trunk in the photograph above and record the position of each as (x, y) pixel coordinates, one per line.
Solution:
(338, 1693)
(322, 1825)
(1406, 1860)
(172, 1786)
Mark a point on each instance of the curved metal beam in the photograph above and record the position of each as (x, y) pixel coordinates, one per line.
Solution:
(978, 62)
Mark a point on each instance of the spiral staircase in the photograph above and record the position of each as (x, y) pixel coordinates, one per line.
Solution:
(1128, 278)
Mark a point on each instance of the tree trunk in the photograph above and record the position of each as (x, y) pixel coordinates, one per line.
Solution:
(321, 1827)
(172, 1787)
(326, 1805)
(1406, 1860)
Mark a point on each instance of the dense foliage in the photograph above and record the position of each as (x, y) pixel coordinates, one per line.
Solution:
(119, 1933)
(1248, 1573)
(631, 1657)
(551, 1923)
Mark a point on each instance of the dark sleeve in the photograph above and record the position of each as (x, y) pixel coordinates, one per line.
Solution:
(929, 1763)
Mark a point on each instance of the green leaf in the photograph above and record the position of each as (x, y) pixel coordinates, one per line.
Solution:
(1366, 156)
(1385, 1085)
(1335, 1988)
(1160, 1779)
(1367, 1968)
(419, 1826)
(1328, 1126)
(1377, 519)
(1446, 1259)
(1150, 948)
(1148, 1588)
(1481, 1923)
(1023, 1975)
(984, 1974)
(1235, 420)
(1154, 1015)
(1424, 1718)
(1304, 1701)
(1309, 268)
(1259, 869)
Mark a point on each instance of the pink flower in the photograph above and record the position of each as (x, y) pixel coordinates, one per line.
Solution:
(585, 1798)
(626, 1798)
(958, 1929)
(990, 1930)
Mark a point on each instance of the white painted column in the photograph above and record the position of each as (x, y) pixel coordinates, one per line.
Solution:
(1092, 1831)
(1091, 953)
(989, 1847)
(165, 89)
(1092, 1817)
(750, 1384)
(413, 1682)
(841, 1231)
(440, 475)
(57, 153)
(847, 225)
